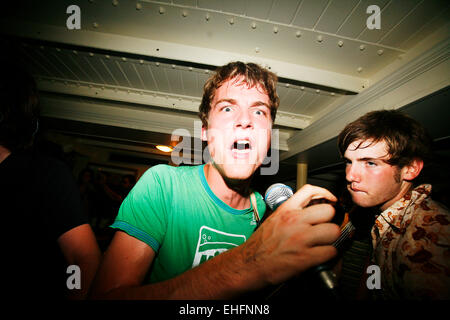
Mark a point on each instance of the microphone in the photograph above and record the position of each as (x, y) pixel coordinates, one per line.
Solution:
(276, 195)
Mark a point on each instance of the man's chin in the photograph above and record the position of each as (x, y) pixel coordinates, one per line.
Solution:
(364, 203)
(360, 200)
(237, 172)
(240, 175)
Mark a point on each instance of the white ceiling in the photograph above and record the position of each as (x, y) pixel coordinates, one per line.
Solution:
(139, 66)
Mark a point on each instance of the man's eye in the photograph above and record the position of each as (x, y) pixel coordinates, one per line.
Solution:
(227, 109)
(259, 113)
(371, 164)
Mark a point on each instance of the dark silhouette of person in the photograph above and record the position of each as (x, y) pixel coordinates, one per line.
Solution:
(44, 227)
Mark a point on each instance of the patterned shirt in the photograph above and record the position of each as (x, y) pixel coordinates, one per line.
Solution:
(411, 241)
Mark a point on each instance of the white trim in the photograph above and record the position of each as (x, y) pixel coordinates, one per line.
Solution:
(420, 77)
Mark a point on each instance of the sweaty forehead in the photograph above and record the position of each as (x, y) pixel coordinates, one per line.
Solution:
(233, 89)
(367, 149)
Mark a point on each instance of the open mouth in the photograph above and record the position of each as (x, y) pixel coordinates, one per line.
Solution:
(241, 146)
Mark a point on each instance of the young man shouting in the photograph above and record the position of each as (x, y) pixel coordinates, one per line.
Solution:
(186, 232)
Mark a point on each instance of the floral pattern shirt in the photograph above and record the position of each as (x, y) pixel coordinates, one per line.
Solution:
(411, 241)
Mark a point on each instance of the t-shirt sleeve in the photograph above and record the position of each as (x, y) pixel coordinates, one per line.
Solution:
(143, 213)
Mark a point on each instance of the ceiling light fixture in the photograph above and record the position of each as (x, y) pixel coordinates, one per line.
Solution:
(164, 148)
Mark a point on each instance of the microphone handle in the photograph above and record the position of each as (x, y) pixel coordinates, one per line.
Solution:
(328, 277)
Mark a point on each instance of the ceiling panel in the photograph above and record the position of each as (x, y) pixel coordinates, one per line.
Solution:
(289, 97)
(335, 14)
(41, 62)
(438, 24)
(174, 77)
(131, 75)
(190, 3)
(147, 77)
(319, 103)
(283, 11)
(213, 4)
(309, 13)
(115, 66)
(259, 8)
(233, 6)
(424, 11)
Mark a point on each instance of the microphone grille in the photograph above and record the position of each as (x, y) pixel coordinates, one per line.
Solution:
(276, 194)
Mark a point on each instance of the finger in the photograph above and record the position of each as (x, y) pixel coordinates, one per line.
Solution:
(316, 214)
(322, 234)
(321, 254)
(308, 192)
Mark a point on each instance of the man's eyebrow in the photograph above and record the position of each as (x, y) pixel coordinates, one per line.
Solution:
(234, 102)
(381, 158)
(260, 103)
(231, 101)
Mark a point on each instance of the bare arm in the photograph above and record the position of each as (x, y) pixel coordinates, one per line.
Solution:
(291, 240)
(80, 248)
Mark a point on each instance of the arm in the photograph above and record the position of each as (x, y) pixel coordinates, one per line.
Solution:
(80, 248)
(292, 240)
(212, 279)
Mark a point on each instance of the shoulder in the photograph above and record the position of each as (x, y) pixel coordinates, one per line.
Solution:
(156, 180)
(427, 228)
(422, 253)
(47, 169)
(164, 172)
(429, 213)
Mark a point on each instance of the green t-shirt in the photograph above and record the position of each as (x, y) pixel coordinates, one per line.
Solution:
(175, 212)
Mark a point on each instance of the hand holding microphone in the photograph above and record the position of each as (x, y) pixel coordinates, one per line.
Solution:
(275, 196)
(294, 238)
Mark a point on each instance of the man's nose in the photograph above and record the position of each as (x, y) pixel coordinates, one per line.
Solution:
(352, 173)
(244, 119)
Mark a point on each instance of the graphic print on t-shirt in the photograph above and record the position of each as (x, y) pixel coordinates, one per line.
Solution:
(211, 242)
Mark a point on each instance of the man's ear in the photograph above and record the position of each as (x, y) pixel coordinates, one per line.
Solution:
(412, 170)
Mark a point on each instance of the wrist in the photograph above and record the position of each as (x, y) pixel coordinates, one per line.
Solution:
(232, 273)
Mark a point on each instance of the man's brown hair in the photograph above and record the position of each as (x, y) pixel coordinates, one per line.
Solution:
(251, 74)
(406, 139)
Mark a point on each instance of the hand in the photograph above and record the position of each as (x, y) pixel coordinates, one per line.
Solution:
(294, 238)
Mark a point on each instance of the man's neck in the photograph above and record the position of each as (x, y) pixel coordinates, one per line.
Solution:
(237, 198)
(4, 153)
(406, 186)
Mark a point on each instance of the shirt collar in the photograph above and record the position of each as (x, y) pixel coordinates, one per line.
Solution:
(395, 213)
